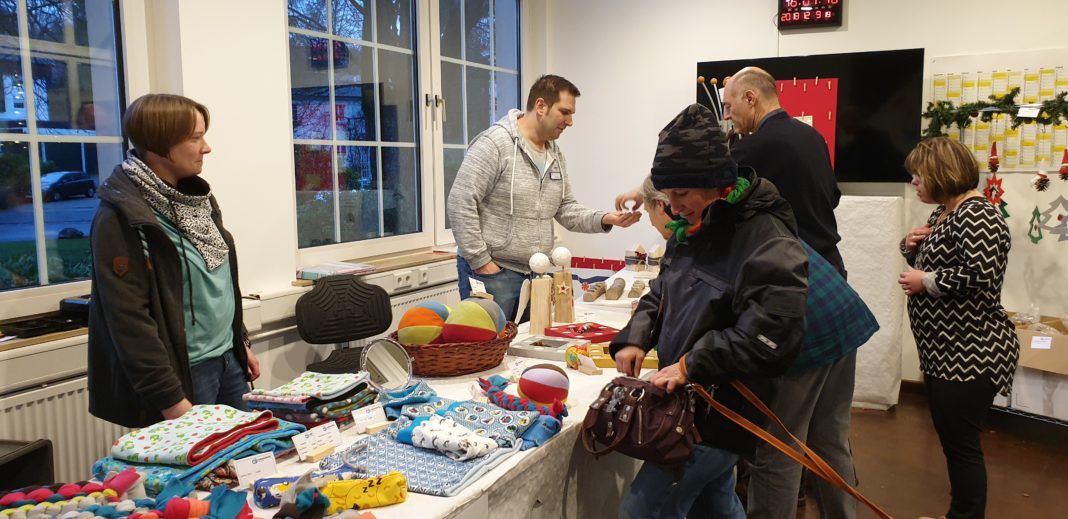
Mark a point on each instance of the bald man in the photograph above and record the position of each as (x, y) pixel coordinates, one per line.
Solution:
(813, 402)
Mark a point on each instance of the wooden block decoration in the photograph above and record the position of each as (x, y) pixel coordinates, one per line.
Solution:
(655, 257)
(563, 297)
(319, 454)
(635, 258)
(590, 370)
(375, 428)
(302, 282)
(540, 304)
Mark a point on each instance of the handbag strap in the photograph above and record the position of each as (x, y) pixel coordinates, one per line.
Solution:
(809, 459)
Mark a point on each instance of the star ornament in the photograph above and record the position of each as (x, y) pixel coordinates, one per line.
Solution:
(993, 189)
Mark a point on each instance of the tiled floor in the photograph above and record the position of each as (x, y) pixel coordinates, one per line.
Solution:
(901, 467)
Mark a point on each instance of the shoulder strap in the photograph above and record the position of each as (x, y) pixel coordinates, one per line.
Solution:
(807, 457)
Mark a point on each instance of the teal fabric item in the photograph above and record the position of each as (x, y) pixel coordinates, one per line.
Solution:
(212, 302)
(226, 503)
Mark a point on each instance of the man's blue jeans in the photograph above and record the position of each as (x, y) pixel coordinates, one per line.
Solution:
(504, 286)
(705, 490)
(219, 381)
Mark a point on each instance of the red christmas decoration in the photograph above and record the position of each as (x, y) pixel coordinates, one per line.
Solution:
(993, 189)
(1064, 166)
(993, 162)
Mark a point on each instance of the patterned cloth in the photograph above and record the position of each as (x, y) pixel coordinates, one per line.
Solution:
(965, 332)
(428, 472)
(444, 435)
(417, 393)
(192, 438)
(837, 320)
(190, 213)
(310, 385)
(501, 425)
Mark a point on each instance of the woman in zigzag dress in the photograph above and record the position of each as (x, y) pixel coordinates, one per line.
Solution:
(967, 345)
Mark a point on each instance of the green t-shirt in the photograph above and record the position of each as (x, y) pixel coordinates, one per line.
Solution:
(213, 299)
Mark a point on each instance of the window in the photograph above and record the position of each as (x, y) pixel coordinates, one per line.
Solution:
(59, 133)
(368, 151)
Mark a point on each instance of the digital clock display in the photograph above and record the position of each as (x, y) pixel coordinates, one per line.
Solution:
(810, 13)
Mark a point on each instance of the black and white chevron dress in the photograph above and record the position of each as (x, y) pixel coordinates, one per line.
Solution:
(965, 332)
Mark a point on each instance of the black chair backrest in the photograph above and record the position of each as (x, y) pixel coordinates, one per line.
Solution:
(342, 308)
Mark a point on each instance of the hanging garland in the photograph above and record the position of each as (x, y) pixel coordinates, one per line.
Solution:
(942, 114)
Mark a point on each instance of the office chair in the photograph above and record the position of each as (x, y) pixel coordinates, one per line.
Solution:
(340, 309)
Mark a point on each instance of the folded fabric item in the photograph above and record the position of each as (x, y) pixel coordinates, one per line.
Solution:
(159, 477)
(105, 507)
(417, 393)
(360, 494)
(347, 405)
(192, 438)
(268, 492)
(427, 472)
(341, 422)
(543, 429)
(495, 386)
(268, 403)
(443, 434)
(314, 385)
(487, 420)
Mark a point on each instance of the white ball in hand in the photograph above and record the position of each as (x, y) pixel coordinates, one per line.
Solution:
(561, 257)
(540, 263)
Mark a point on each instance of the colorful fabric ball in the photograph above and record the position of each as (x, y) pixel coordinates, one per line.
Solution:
(544, 384)
(473, 321)
(423, 323)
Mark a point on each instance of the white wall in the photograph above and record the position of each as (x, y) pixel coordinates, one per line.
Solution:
(635, 63)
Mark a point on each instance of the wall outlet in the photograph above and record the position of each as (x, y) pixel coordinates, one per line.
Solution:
(424, 276)
(402, 279)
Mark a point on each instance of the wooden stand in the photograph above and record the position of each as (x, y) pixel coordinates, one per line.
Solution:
(540, 304)
(563, 297)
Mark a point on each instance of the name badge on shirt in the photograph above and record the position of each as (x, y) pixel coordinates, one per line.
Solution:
(555, 175)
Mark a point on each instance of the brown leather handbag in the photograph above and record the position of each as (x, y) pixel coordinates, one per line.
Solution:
(640, 420)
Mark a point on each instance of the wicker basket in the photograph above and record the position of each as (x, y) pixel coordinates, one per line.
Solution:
(458, 358)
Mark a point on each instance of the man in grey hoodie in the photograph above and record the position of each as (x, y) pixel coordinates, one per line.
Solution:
(511, 186)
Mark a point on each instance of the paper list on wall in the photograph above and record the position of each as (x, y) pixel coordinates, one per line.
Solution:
(997, 131)
(953, 86)
(1030, 87)
(982, 140)
(999, 83)
(1016, 80)
(968, 92)
(1044, 150)
(969, 136)
(1062, 80)
(984, 86)
(1028, 142)
(1060, 140)
(939, 88)
(1047, 84)
(1012, 149)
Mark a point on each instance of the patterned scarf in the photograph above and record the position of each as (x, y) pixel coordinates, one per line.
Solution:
(190, 213)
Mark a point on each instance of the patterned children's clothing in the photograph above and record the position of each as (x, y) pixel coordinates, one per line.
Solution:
(428, 472)
(501, 425)
(360, 494)
(311, 385)
(192, 438)
(417, 393)
(268, 492)
(444, 435)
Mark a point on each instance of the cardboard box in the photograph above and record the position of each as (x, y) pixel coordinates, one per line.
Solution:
(1045, 351)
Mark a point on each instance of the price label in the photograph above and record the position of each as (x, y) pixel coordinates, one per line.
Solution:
(314, 439)
(477, 286)
(1028, 111)
(1041, 343)
(255, 467)
(368, 415)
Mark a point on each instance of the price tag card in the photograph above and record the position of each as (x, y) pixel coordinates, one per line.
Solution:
(314, 439)
(1028, 111)
(477, 286)
(1041, 343)
(368, 415)
(250, 469)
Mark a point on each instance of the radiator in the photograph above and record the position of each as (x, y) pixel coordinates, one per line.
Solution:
(57, 412)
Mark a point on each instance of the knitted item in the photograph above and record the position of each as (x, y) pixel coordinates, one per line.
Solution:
(494, 388)
(691, 152)
(359, 494)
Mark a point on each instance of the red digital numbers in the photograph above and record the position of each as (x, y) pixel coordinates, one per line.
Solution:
(809, 12)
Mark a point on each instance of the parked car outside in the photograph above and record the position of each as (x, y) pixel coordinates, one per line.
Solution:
(58, 185)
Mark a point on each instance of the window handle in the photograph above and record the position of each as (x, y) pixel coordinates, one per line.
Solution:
(440, 101)
(433, 116)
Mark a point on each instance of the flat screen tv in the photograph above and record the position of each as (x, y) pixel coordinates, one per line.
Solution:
(867, 105)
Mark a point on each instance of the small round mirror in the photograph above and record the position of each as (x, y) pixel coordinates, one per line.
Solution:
(387, 365)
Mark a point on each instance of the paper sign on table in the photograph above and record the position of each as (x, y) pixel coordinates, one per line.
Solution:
(368, 415)
(477, 286)
(1041, 343)
(255, 467)
(316, 438)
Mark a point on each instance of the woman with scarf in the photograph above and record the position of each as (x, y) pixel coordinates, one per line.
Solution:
(733, 285)
(165, 328)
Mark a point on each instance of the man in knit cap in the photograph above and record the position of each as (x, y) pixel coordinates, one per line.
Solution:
(733, 283)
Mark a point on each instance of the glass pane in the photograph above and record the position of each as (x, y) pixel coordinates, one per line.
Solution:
(354, 92)
(506, 33)
(358, 192)
(310, 87)
(352, 19)
(478, 100)
(453, 158)
(396, 72)
(400, 191)
(452, 88)
(66, 101)
(315, 195)
(394, 18)
(13, 98)
(47, 19)
(506, 93)
(70, 175)
(18, 243)
(450, 21)
(477, 25)
(308, 14)
(9, 18)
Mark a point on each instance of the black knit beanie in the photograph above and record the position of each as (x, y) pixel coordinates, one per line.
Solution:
(692, 153)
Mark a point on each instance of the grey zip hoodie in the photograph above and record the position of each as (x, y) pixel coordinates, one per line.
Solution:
(502, 208)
